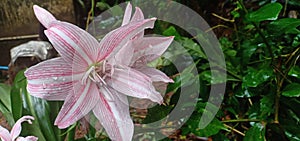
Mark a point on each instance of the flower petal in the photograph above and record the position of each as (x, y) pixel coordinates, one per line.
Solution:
(138, 15)
(51, 79)
(43, 16)
(123, 56)
(28, 138)
(16, 129)
(134, 83)
(4, 134)
(155, 74)
(117, 38)
(148, 49)
(69, 39)
(78, 103)
(127, 14)
(114, 116)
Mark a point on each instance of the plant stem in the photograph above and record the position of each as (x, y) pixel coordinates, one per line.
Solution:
(241, 120)
(233, 129)
(71, 134)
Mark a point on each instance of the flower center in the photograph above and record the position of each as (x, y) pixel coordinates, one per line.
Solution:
(96, 73)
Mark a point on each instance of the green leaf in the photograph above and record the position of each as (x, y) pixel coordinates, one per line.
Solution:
(18, 88)
(193, 47)
(255, 133)
(286, 25)
(171, 31)
(216, 79)
(5, 96)
(102, 5)
(42, 112)
(256, 76)
(248, 48)
(292, 90)
(212, 128)
(156, 113)
(267, 12)
(5, 103)
(266, 105)
(295, 71)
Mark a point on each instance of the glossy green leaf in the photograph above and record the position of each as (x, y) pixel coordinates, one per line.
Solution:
(171, 31)
(211, 129)
(42, 112)
(193, 47)
(292, 90)
(291, 123)
(267, 12)
(267, 105)
(295, 71)
(255, 133)
(248, 49)
(5, 96)
(217, 78)
(256, 76)
(286, 25)
(17, 91)
(5, 103)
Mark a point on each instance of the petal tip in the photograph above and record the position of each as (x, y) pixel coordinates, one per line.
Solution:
(44, 16)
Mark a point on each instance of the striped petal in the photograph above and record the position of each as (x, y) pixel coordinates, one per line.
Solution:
(51, 79)
(69, 39)
(28, 138)
(16, 130)
(149, 48)
(127, 14)
(123, 56)
(78, 103)
(114, 116)
(134, 83)
(117, 38)
(4, 134)
(138, 16)
(43, 16)
(155, 74)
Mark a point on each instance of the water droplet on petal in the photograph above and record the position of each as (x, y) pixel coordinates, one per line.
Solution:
(44, 86)
(55, 78)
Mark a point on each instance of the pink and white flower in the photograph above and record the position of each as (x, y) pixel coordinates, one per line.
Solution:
(89, 77)
(13, 135)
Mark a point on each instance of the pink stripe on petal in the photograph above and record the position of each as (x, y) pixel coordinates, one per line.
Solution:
(51, 79)
(148, 49)
(127, 14)
(43, 16)
(134, 83)
(4, 134)
(16, 130)
(117, 38)
(50, 91)
(78, 103)
(69, 39)
(114, 116)
(123, 56)
(138, 15)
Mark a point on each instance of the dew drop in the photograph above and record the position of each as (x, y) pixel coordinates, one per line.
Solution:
(44, 86)
(55, 78)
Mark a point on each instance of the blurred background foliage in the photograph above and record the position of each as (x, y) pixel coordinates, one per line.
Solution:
(261, 43)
